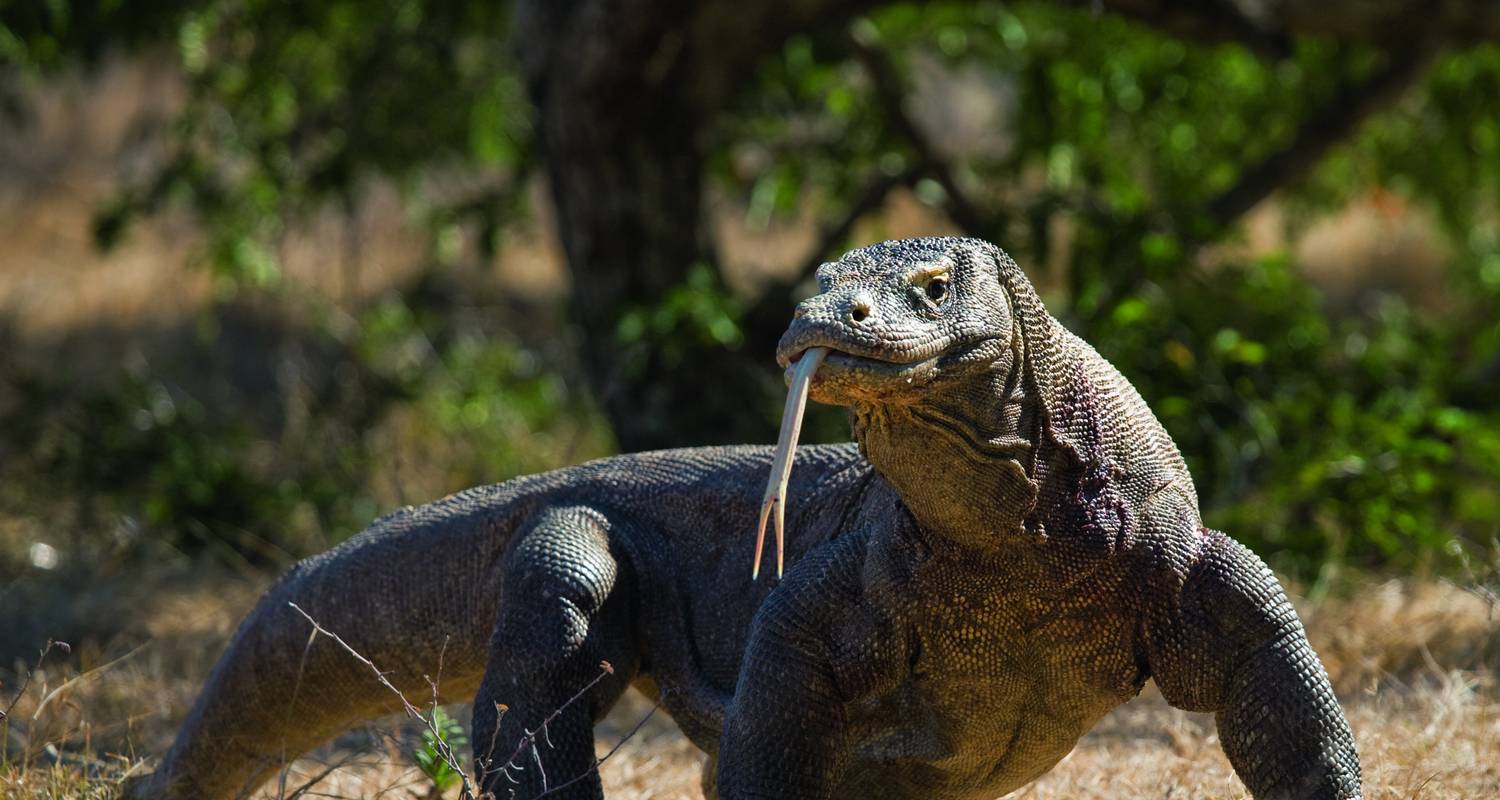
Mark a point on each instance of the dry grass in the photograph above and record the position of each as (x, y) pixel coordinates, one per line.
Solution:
(1415, 662)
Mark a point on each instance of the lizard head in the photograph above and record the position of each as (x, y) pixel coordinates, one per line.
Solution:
(909, 326)
(902, 315)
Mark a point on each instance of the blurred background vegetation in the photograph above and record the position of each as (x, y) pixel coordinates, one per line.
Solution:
(268, 269)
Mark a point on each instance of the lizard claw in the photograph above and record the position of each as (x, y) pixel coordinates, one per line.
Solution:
(781, 462)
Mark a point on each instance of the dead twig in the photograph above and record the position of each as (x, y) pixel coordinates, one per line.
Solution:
(21, 692)
(598, 762)
(81, 677)
(439, 743)
(528, 740)
(26, 680)
(489, 753)
(318, 778)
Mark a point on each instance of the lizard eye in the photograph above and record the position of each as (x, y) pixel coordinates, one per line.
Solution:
(936, 288)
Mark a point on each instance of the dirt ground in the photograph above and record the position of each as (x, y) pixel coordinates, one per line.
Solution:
(1415, 663)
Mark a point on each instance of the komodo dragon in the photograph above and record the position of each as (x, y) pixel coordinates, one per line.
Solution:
(1013, 548)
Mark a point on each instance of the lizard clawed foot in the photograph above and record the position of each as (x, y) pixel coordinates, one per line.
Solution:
(781, 462)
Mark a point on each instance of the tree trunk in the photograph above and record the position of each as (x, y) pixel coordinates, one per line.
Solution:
(621, 90)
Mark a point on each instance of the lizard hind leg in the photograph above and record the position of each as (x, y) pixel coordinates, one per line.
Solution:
(566, 606)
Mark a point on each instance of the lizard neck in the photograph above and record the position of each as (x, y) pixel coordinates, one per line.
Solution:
(961, 456)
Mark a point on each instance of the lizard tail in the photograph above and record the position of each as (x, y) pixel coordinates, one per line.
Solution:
(415, 594)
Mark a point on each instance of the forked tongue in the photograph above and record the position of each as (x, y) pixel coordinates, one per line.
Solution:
(781, 463)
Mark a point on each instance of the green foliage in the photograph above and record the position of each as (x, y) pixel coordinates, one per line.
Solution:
(154, 457)
(1320, 441)
(421, 404)
(500, 407)
(699, 312)
(58, 33)
(292, 108)
(428, 759)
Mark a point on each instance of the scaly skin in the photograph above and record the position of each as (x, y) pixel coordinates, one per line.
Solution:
(1012, 551)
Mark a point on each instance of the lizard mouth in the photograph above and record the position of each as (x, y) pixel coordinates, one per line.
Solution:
(840, 361)
(864, 356)
(847, 361)
(846, 366)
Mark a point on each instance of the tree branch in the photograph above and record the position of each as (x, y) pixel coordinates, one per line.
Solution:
(439, 743)
(892, 96)
(1253, 25)
(599, 762)
(871, 198)
(1334, 123)
(1268, 26)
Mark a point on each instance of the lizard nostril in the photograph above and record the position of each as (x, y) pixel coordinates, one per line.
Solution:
(859, 310)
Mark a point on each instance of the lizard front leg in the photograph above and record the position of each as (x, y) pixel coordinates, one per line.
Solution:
(565, 607)
(785, 732)
(1230, 642)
